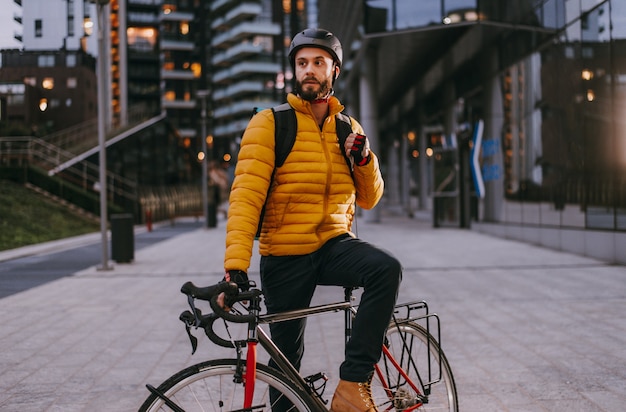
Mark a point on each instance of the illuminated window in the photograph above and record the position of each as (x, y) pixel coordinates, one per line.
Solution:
(184, 28)
(43, 104)
(141, 39)
(88, 26)
(48, 83)
(72, 82)
(196, 68)
(31, 81)
(170, 95)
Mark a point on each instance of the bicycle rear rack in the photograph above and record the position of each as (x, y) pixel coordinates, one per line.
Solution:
(418, 312)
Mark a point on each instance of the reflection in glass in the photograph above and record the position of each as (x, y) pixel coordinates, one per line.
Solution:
(564, 137)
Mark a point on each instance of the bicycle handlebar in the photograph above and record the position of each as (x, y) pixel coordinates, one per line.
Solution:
(232, 295)
(210, 294)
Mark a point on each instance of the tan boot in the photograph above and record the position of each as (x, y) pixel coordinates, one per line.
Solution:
(353, 397)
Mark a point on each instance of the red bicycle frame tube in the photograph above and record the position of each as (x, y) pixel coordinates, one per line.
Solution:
(250, 374)
(385, 384)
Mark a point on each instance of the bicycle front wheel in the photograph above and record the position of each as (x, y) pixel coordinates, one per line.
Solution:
(429, 379)
(210, 386)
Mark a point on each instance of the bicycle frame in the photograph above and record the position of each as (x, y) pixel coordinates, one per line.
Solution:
(283, 363)
(258, 335)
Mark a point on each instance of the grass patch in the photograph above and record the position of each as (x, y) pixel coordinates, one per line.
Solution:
(27, 218)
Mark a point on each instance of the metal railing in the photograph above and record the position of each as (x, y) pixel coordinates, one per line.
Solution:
(18, 151)
(82, 137)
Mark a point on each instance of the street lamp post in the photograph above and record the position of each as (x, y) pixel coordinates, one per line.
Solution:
(101, 72)
(203, 95)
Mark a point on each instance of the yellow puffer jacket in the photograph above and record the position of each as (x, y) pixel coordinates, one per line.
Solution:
(313, 192)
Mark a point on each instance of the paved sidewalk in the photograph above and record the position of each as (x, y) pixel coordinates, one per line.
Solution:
(524, 328)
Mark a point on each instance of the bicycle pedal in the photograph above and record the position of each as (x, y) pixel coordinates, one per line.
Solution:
(316, 377)
(318, 388)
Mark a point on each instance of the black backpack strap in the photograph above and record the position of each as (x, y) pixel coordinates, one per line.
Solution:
(285, 132)
(344, 128)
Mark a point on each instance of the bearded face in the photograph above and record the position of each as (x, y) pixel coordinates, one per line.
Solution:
(311, 88)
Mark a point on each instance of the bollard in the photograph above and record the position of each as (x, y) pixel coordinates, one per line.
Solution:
(149, 220)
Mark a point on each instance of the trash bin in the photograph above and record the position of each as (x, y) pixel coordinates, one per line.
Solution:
(122, 238)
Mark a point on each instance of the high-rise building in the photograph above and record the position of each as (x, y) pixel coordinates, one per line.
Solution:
(180, 67)
(54, 28)
(243, 66)
(11, 31)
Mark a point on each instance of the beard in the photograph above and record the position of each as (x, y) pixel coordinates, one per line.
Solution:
(310, 94)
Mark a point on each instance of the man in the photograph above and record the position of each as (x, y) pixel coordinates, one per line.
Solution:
(305, 238)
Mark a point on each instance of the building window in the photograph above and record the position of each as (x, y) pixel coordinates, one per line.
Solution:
(31, 81)
(38, 28)
(141, 39)
(70, 26)
(72, 82)
(170, 95)
(184, 28)
(48, 83)
(70, 60)
(88, 26)
(45, 61)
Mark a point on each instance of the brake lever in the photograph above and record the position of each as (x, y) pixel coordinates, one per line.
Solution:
(190, 319)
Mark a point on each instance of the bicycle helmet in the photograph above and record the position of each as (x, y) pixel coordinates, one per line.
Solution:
(319, 38)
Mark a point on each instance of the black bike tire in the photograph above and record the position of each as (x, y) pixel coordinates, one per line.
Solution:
(447, 378)
(195, 373)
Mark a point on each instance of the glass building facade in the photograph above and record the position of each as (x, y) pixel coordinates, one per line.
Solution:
(551, 89)
(543, 80)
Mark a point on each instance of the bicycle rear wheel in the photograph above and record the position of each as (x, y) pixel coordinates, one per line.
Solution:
(417, 352)
(210, 386)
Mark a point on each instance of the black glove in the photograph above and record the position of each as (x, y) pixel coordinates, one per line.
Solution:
(240, 278)
(357, 150)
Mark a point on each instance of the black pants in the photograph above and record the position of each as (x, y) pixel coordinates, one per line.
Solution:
(288, 283)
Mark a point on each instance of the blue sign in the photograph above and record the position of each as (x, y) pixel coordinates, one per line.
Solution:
(477, 139)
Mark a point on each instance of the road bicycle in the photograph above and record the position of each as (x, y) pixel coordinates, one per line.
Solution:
(412, 375)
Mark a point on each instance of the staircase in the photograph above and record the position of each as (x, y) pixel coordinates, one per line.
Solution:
(56, 199)
(63, 154)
